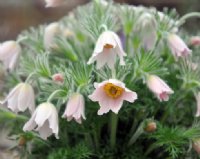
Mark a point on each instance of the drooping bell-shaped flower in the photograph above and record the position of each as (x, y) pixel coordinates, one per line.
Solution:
(107, 48)
(50, 32)
(110, 94)
(198, 104)
(178, 46)
(75, 108)
(159, 87)
(44, 120)
(146, 26)
(20, 98)
(9, 53)
(53, 3)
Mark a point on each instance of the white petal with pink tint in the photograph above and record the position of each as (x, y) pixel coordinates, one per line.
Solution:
(159, 87)
(178, 46)
(107, 48)
(9, 53)
(198, 104)
(44, 120)
(20, 98)
(114, 100)
(53, 3)
(75, 108)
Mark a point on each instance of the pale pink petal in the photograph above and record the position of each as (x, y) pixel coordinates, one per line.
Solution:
(129, 96)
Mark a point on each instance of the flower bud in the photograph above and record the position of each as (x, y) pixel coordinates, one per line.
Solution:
(22, 141)
(53, 3)
(58, 77)
(150, 127)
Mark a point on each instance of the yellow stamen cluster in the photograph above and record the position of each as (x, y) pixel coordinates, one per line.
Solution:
(108, 46)
(112, 90)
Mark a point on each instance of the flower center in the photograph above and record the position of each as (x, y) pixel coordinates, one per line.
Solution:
(108, 46)
(113, 90)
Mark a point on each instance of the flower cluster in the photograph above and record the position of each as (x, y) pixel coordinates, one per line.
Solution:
(110, 93)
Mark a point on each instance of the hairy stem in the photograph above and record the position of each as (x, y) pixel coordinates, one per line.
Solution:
(113, 129)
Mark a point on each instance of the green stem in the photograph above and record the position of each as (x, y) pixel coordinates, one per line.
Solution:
(187, 16)
(53, 94)
(113, 129)
(135, 136)
(29, 77)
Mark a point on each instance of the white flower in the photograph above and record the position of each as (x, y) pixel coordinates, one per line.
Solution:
(53, 3)
(9, 53)
(198, 104)
(146, 26)
(108, 46)
(44, 120)
(75, 108)
(110, 94)
(51, 31)
(20, 98)
(178, 46)
(159, 87)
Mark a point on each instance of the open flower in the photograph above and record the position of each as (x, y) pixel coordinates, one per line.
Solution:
(44, 120)
(53, 3)
(110, 94)
(20, 98)
(108, 46)
(51, 31)
(75, 108)
(178, 46)
(159, 87)
(198, 104)
(9, 53)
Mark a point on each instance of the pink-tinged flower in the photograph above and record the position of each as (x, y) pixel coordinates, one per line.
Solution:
(20, 98)
(9, 53)
(50, 32)
(58, 77)
(53, 3)
(75, 108)
(178, 46)
(110, 94)
(159, 88)
(198, 104)
(195, 41)
(196, 145)
(108, 46)
(44, 120)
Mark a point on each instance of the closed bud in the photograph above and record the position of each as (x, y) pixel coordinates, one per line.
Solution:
(22, 141)
(150, 127)
(58, 77)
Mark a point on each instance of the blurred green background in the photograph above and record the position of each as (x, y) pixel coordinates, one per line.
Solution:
(17, 15)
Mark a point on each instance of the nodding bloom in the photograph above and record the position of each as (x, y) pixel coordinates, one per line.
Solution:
(75, 108)
(146, 26)
(108, 46)
(50, 32)
(53, 3)
(178, 46)
(195, 41)
(9, 53)
(20, 98)
(159, 87)
(58, 77)
(44, 120)
(198, 104)
(110, 94)
(196, 145)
